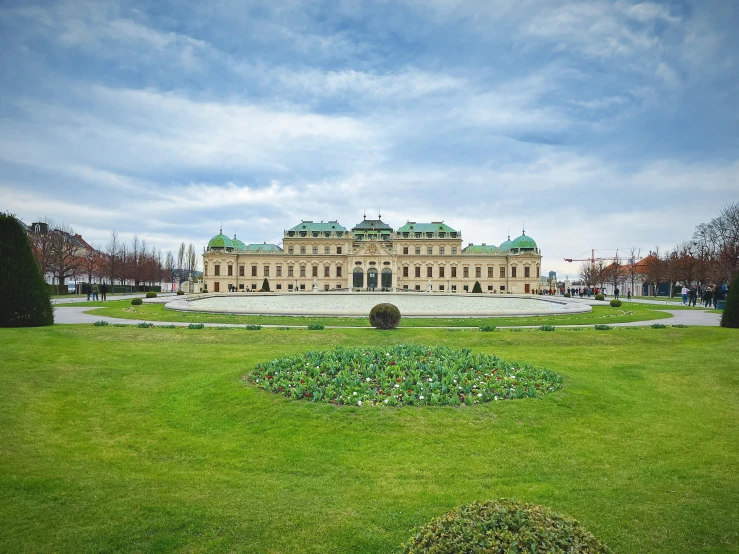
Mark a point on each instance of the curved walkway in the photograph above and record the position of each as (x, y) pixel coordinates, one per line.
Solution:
(693, 318)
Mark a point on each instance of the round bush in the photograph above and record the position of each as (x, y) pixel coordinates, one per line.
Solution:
(384, 316)
(568, 295)
(180, 293)
(136, 302)
(151, 294)
(599, 297)
(503, 526)
(405, 374)
(615, 303)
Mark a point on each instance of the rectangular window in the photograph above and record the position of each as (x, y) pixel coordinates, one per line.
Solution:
(454, 288)
(241, 271)
(478, 272)
(338, 249)
(241, 287)
(253, 271)
(302, 249)
(314, 272)
(290, 250)
(466, 288)
(441, 271)
(216, 270)
(537, 272)
(253, 286)
(326, 286)
(230, 270)
(465, 272)
(266, 271)
(418, 287)
(338, 271)
(279, 271)
(441, 250)
(526, 271)
(315, 250)
(454, 272)
(290, 287)
(418, 250)
(302, 286)
(290, 271)
(405, 272)
(279, 286)
(429, 271)
(405, 250)
(441, 287)
(327, 250)
(418, 271)
(490, 272)
(326, 271)
(454, 250)
(502, 288)
(513, 271)
(405, 287)
(490, 287)
(430, 250)
(205, 269)
(302, 271)
(502, 273)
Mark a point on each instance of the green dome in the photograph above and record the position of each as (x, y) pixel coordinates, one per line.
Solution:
(505, 246)
(238, 245)
(220, 241)
(523, 242)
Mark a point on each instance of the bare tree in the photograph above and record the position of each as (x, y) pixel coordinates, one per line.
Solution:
(192, 260)
(656, 272)
(170, 271)
(588, 274)
(65, 258)
(112, 256)
(180, 263)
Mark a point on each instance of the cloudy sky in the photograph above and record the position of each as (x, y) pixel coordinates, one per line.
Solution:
(605, 125)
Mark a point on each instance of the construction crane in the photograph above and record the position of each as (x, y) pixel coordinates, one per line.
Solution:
(593, 259)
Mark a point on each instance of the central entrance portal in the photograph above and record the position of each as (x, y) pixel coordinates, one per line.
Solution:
(387, 278)
(372, 278)
(358, 281)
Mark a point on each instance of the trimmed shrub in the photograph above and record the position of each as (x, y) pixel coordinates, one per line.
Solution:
(384, 316)
(658, 326)
(253, 327)
(136, 302)
(151, 294)
(316, 327)
(180, 293)
(503, 526)
(488, 328)
(547, 328)
(615, 303)
(144, 325)
(24, 297)
(100, 324)
(602, 327)
(477, 289)
(265, 285)
(567, 295)
(599, 296)
(196, 326)
(205, 291)
(730, 317)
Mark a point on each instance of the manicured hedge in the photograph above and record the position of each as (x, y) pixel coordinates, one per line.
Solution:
(384, 316)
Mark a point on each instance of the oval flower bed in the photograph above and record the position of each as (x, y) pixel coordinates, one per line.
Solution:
(405, 374)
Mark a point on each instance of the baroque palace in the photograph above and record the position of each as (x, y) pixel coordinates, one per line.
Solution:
(372, 256)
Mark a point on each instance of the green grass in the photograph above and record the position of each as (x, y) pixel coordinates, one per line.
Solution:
(155, 312)
(140, 440)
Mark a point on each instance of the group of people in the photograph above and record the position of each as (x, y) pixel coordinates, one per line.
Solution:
(709, 296)
(94, 289)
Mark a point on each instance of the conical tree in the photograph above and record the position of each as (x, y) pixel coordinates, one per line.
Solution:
(730, 317)
(24, 298)
(477, 288)
(265, 285)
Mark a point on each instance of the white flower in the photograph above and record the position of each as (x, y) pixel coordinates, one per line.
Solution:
(397, 386)
(388, 353)
(354, 393)
(479, 395)
(420, 397)
(496, 398)
(368, 379)
(431, 380)
(386, 401)
(359, 403)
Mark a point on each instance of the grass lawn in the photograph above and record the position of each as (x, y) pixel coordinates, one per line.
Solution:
(140, 440)
(629, 311)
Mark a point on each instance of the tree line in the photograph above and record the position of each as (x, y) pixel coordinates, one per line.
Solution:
(61, 254)
(711, 256)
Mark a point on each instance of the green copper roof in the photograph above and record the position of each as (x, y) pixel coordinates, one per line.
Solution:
(370, 224)
(523, 242)
(220, 241)
(480, 249)
(238, 245)
(434, 227)
(505, 246)
(264, 247)
(321, 227)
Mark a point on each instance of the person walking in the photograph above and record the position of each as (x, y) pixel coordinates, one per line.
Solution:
(693, 295)
(716, 296)
(615, 293)
(684, 294)
(104, 292)
(707, 297)
(628, 294)
(95, 291)
(88, 290)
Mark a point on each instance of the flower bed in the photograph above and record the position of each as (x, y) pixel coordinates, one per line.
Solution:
(406, 374)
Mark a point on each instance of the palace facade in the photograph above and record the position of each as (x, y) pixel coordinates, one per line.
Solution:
(372, 256)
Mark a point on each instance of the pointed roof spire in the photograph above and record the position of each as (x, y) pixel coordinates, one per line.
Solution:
(523, 232)
(220, 230)
(379, 214)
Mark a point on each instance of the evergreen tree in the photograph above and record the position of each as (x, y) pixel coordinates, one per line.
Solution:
(265, 285)
(730, 317)
(477, 288)
(24, 297)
